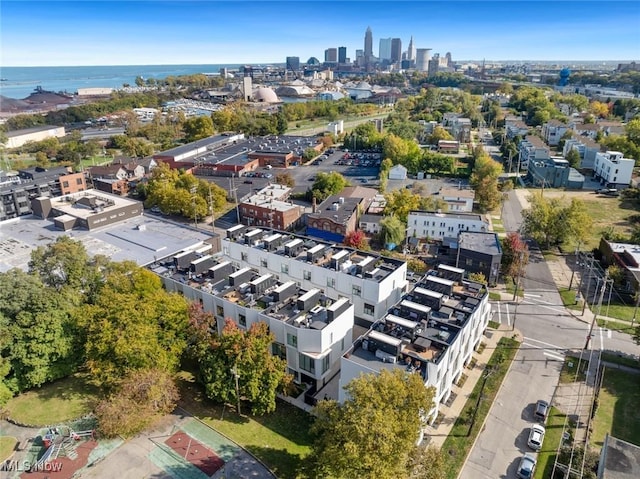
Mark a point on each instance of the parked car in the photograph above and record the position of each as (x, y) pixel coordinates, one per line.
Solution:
(542, 410)
(536, 437)
(608, 192)
(527, 466)
(248, 182)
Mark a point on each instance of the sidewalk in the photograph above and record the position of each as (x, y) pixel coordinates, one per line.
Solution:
(451, 410)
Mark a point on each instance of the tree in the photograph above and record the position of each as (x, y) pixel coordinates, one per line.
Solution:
(484, 180)
(478, 278)
(140, 399)
(146, 330)
(573, 157)
(515, 255)
(327, 184)
(392, 230)
(552, 221)
(198, 127)
(38, 339)
(356, 239)
(439, 133)
(400, 203)
(285, 179)
(426, 463)
(245, 357)
(389, 406)
(202, 325)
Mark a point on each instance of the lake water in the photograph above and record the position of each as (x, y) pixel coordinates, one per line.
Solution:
(20, 82)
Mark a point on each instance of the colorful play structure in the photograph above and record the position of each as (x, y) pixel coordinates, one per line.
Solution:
(61, 441)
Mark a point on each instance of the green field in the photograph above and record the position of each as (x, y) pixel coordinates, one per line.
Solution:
(281, 440)
(53, 403)
(552, 438)
(618, 413)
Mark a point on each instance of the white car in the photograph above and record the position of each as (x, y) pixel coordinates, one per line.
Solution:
(536, 437)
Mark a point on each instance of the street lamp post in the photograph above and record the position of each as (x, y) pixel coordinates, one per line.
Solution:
(193, 191)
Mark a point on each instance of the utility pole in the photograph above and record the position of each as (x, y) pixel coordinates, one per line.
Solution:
(234, 370)
(586, 296)
(234, 191)
(193, 191)
(595, 316)
(520, 273)
(213, 222)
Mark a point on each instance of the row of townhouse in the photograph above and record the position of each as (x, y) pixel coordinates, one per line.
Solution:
(372, 282)
(432, 331)
(311, 331)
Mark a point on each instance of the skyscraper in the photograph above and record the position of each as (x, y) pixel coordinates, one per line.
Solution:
(342, 54)
(331, 55)
(293, 63)
(396, 50)
(423, 55)
(411, 51)
(368, 45)
(385, 49)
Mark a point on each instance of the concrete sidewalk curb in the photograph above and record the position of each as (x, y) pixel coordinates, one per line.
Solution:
(518, 334)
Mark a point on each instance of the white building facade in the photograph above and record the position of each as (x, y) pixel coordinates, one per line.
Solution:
(458, 200)
(612, 169)
(532, 148)
(438, 226)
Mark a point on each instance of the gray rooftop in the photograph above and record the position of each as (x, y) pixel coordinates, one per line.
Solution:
(487, 243)
(142, 239)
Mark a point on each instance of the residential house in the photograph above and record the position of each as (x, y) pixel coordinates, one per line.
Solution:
(532, 148)
(627, 257)
(552, 131)
(269, 207)
(439, 226)
(585, 146)
(371, 282)
(458, 200)
(338, 215)
(370, 223)
(554, 173)
(432, 331)
(589, 130)
(613, 170)
(398, 172)
(480, 253)
(514, 126)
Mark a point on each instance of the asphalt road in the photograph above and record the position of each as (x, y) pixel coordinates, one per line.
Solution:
(549, 332)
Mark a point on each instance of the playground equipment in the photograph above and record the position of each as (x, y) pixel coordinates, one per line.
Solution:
(61, 440)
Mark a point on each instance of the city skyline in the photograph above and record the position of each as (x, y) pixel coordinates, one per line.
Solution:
(73, 33)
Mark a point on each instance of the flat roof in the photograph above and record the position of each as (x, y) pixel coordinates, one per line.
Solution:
(142, 239)
(487, 243)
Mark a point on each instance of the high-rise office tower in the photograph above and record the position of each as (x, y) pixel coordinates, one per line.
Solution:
(396, 50)
(331, 55)
(293, 63)
(368, 45)
(385, 49)
(448, 58)
(411, 51)
(342, 54)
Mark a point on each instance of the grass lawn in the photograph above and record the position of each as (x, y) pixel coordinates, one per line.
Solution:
(620, 326)
(467, 426)
(7, 446)
(494, 296)
(281, 440)
(510, 287)
(53, 403)
(569, 299)
(620, 359)
(619, 311)
(618, 212)
(552, 438)
(618, 413)
(570, 368)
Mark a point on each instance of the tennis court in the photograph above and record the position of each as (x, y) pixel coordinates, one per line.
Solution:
(195, 452)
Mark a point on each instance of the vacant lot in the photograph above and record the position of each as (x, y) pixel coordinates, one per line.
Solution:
(618, 412)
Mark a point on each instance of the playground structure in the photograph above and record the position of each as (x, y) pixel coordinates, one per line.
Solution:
(61, 441)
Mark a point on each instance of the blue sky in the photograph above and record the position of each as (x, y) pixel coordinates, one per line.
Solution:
(88, 32)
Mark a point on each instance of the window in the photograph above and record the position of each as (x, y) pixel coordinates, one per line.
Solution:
(326, 363)
(306, 363)
(65, 184)
(244, 256)
(356, 290)
(219, 310)
(225, 250)
(292, 340)
(306, 275)
(79, 180)
(279, 350)
(331, 282)
(468, 262)
(284, 268)
(369, 309)
(482, 264)
(263, 263)
(242, 320)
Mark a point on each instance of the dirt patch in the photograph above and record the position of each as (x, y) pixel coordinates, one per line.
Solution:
(64, 467)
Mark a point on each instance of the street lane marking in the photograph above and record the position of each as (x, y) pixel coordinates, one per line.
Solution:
(555, 346)
(554, 356)
(532, 295)
(506, 312)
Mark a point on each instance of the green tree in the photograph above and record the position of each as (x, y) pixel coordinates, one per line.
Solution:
(327, 184)
(439, 133)
(198, 127)
(392, 230)
(400, 203)
(134, 324)
(551, 221)
(389, 406)
(38, 338)
(484, 180)
(247, 354)
(140, 399)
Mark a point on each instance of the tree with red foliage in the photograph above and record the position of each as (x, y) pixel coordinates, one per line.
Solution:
(356, 239)
(515, 255)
